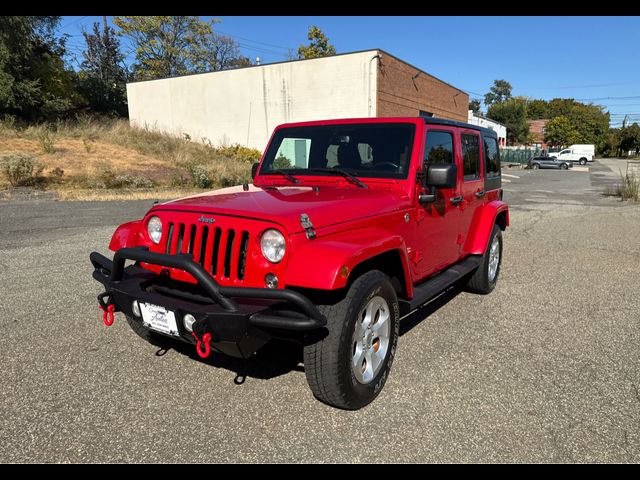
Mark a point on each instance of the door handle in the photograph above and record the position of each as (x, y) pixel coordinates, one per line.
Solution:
(456, 200)
(480, 194)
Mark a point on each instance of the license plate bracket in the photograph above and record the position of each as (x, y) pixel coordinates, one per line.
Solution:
(159, 319)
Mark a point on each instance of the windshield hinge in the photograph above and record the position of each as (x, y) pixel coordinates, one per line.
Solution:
(308, 226)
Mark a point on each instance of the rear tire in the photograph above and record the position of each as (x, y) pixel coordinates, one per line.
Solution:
(583, 161)
(348, 367)
(485, 277)
(535, 166)
(564, 166)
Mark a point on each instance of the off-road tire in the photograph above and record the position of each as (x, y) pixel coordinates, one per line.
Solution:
(328, 356)
(480, 281)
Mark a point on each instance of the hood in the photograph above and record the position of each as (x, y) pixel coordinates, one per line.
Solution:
(325, 205)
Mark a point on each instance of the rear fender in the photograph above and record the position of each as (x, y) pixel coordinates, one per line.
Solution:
(127, 235)
(319, 263)
(484, 219)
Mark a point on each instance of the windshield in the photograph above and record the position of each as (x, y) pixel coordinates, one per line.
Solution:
(381, 150)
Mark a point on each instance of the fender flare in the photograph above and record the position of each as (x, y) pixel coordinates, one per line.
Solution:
(482, 225)
(317, 264)
(127, 235)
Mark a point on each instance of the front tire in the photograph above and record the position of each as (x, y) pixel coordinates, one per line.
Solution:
(535, 166)
(564, 166)
(348, 367)
(484, 279)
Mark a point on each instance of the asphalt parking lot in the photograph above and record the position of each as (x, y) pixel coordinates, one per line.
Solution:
(545, 369)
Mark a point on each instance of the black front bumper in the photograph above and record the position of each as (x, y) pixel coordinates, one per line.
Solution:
(239, 319)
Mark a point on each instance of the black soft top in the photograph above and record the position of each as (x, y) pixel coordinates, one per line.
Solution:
(453, 123)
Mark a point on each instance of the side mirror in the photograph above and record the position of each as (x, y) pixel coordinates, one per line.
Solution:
(441, 175)
(254, 170)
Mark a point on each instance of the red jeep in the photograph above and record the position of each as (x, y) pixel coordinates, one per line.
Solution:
(348, 226)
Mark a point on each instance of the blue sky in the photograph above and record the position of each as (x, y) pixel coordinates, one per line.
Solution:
(592, 59)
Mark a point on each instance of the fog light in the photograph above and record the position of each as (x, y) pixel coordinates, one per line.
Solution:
(270, 280)
(135, 308)
(189, 320)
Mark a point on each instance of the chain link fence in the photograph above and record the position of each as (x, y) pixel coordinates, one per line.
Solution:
(518, 155)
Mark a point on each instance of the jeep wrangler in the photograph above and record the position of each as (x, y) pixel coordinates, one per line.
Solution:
(348, 226)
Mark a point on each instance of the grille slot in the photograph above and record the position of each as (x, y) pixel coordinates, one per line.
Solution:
(221, 251)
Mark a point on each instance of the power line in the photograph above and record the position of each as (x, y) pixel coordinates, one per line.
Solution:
(252, 41)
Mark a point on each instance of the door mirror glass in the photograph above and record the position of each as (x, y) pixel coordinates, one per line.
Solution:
(254, 170)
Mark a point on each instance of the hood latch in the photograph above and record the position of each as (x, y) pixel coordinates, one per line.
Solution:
(308, 226)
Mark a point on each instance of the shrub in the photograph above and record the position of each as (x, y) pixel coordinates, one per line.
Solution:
(21, 168)
(629, 189)
(45, 139)
(200, 176)
(239, 152)
(56, 175)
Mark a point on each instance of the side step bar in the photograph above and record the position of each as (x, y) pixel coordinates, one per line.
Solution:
(433, 286)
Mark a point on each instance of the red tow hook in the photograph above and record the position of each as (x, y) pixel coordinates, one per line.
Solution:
(206, 339)
(107, 315)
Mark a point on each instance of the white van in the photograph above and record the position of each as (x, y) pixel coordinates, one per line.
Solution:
(577, 153)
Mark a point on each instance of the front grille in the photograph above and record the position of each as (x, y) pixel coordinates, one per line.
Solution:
(221, 251)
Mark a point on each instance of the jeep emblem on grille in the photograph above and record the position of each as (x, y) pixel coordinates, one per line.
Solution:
(204, 219)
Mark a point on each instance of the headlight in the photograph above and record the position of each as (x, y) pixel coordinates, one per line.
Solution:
(154, 228)
(272, 245)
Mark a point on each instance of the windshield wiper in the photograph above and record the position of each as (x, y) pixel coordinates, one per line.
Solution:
(338, 171)
(286, 175)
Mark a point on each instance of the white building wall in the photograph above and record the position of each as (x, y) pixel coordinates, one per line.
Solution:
(500, 129)
(244, 105)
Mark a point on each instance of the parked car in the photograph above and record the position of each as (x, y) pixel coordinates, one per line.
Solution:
(549, 162)
(577, 153)
(348, 226)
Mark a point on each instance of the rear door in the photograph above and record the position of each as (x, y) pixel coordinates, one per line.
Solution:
(472, 191)
(492, 170)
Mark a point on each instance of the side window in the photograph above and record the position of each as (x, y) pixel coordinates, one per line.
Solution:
(470, 156)
(438, 147)
(293, 152)
(491, 157)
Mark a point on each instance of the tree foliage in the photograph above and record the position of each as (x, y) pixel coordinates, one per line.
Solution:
(575, 122)
(513, 114)
(498, 93)
(474, 106)
(103, 76)
(168, 46)
(318, 46)
(34, 82)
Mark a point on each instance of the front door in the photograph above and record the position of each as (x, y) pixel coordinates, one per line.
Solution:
(437, 229)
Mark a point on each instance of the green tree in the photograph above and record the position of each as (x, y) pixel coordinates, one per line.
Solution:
(474, 106)
(103, 75)
(166, 45)
(538, 109)
(216, 52)
(561, 132)
(630, 139)
(498, 93)
(319, 45)
(34, 82)
(513, 114)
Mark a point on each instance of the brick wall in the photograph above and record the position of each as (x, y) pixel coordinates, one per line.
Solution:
(403, 94)
(537, 128)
